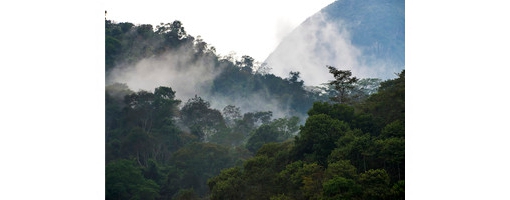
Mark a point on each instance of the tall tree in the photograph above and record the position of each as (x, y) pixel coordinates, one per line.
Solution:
(231, 114)
(343, 83)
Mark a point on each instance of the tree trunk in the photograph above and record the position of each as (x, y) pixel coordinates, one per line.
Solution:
(138, 158)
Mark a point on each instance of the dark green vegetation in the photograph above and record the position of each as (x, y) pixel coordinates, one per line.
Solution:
(159, 147)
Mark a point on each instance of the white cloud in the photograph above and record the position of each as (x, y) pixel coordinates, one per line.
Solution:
(313, 46)
(175, 70)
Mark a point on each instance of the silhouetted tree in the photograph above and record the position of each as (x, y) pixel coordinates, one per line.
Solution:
(343, 83)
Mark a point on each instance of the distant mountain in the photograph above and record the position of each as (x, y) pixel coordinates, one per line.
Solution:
(365, 36)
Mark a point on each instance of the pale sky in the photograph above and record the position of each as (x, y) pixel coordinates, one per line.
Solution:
(246, 27)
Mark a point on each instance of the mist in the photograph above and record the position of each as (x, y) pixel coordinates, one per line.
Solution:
(176, 69)
(189, 76)
(320, 41)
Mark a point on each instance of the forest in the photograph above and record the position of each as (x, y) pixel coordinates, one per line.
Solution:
(341, 140)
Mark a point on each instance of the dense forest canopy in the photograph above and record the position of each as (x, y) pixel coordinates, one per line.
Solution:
(238, 131)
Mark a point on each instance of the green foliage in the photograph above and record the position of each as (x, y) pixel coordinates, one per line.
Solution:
(392, 152)
(340, 112)
(231, 114)
(186, 194)
(341, 152)
(228, 138)
(343, 83)
(259, 177)
(398, 190)
(342, 168)
(312, 178)
(394, 129)
(287, 126)
(124, 180)
(357, 147)
(280, 197)
(317, 138)
(154, 150)
(114, 103)
(346, 113)
(239, 82)
(299, 180)
(172, 182)
(201, 119)
(363, 88)
(375, 183)
(264, 134)
(281, 152)
(341, 188)
(201, 161)
(229, 184)
(278, 130)
(388, 104)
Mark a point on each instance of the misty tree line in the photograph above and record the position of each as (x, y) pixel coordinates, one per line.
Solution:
(148, 131)
(159, 147)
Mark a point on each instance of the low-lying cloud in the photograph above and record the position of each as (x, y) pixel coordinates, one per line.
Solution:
(319, 42)
(180, 71)
(176, 70)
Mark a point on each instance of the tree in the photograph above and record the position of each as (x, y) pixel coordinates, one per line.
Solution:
(151, 111)
(398, 190)
(294, 77)
(264, 134)
(231, 114)
(114, 95)
(287, 127)
(343, 83)
(388, 104)
(173, 34)
(394, 129)
(342, 168)
(356, 146)
(281, 152)
(199, 162)
(247, 63)
(252, 120)
(186, 194)
(317, 138)
(363, 88)
(124, 180)
(140, 110)
(165, 104)
(313, 177)
(259, 176)
(201, 119)
(341, 188)
(340, 112)
(136, 145)
(228, 185)
(346, 113)
(392, 152)
(113, 48)
(375, 184)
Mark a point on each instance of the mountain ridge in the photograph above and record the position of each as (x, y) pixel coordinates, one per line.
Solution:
(367, 37)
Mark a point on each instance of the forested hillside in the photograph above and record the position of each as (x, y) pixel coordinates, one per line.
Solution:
(244, 133)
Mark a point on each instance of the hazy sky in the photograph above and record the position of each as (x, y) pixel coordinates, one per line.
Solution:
(246, 27)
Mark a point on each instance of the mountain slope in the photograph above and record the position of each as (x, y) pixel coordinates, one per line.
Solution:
(367, 37)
